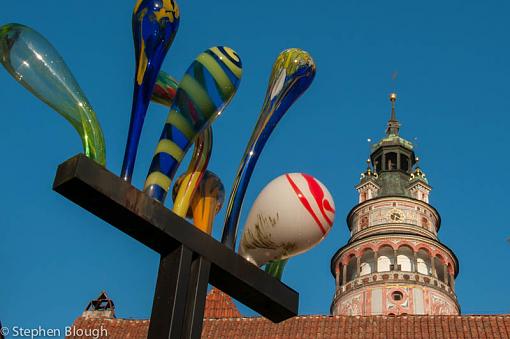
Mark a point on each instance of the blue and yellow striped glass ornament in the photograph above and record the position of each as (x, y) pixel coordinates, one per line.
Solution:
(207, 87)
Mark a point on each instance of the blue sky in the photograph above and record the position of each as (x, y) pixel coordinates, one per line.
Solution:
(452, 63)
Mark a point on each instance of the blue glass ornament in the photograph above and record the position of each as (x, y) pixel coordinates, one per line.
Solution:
(155, 23)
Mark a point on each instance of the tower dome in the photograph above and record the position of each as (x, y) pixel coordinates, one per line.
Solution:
(394, 262)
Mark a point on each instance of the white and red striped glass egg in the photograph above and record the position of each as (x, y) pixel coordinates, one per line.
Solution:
(293, 213)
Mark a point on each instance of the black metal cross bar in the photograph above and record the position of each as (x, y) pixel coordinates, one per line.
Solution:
(190, 258)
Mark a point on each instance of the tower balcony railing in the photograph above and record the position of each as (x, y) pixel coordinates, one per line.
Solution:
(395, 227)
(377, 278)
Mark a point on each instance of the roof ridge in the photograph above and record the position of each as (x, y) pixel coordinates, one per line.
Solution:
(111, 319)
(308, 316)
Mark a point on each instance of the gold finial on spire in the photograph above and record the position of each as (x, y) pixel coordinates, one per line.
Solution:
(393, 98)
(368, 172)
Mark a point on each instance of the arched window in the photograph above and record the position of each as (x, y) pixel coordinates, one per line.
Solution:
(439, 267)
(378, 164)
(391, 161)
(423, 262)
(421, 266)
(338, 274)
(404, 256)
(384, 259)
(365, 269)
(367, 262)
(404, 162)
(450, 275)
(351, 269)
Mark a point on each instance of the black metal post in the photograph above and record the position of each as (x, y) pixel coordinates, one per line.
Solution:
(190, 259)
(197, 292)
(169, 307)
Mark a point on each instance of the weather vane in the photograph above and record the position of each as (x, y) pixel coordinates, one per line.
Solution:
(394, 77)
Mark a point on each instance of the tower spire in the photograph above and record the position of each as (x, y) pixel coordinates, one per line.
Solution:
(393, 124)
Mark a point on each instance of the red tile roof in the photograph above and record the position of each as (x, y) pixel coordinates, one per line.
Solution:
(223, 320)
(345, 327)
(220, 305)
(111, 327)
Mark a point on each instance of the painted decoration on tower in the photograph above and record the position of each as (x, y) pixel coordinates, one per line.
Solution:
(441, 305)
(293, 213)
(394, 299)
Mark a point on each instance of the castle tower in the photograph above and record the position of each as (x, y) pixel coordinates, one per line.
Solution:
(394, 262)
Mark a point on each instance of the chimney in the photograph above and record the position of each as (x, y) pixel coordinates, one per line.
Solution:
(102, 307)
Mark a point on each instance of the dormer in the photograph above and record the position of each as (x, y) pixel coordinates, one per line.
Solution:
(368, 188)
(419, 186)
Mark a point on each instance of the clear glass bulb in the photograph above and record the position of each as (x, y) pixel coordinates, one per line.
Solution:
(35, 63)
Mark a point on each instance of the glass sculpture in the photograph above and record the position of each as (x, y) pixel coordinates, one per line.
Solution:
(293, 72)
(206, 201)
(155, 23)
(196, 169)
(35, 63)
(164, 89)
(293, 213)
(207, 87)
(164, 94)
